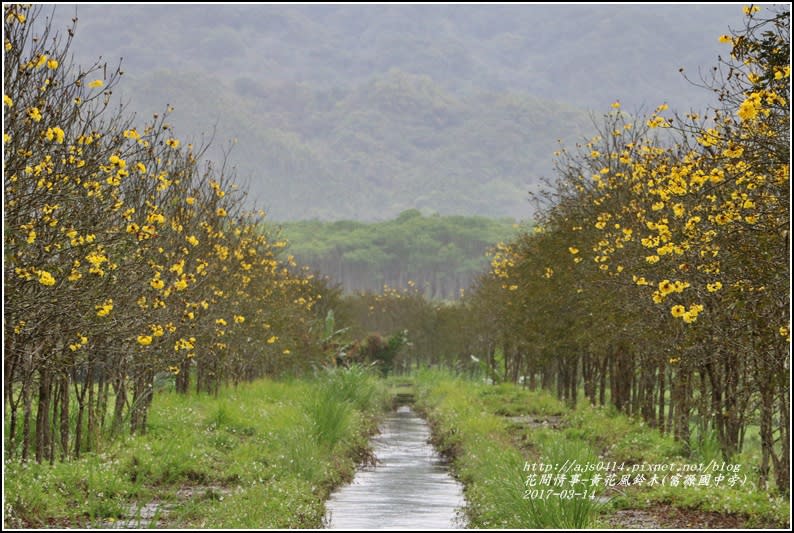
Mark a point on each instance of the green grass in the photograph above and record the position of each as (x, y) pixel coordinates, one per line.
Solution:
(760, 509)
(508, 400)
(475, 424)
(490, 463)
(261, 455)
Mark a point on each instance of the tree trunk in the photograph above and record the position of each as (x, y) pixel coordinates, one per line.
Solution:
(661, 387)
(64, 416)
(43, 417)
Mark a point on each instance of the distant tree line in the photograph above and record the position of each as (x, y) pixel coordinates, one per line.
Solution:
(439, 256)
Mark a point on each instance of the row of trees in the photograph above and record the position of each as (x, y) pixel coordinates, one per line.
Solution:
(658, 275)
(127, 259)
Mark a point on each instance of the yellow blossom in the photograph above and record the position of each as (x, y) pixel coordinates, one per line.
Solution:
(45, 278)
(155, 218)
(55, 134)
(144, 340)
(34, 114)
(714, 287)
(691, 314)
(96, 83)
(657, 122)
(666, 287)
(733, 152)
(105, 308)
(750, 107)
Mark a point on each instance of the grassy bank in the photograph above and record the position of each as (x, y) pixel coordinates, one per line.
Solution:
(494, 432)
(261, 455)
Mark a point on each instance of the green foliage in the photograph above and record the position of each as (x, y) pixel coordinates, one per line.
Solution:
(378, 351)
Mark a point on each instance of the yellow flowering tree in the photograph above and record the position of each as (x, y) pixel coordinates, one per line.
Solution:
(661, 267)
(128, 260)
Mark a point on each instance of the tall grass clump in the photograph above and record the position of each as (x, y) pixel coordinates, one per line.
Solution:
(336, 395)
(358, 386)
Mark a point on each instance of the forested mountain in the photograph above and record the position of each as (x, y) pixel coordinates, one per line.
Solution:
(439, 256)
(361, 112)
(396, 142)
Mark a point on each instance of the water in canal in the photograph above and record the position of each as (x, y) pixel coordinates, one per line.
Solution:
(409, 488)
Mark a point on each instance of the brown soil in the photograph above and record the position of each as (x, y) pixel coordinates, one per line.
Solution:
(665, 516)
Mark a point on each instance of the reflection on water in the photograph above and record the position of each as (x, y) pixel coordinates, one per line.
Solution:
(410, 488)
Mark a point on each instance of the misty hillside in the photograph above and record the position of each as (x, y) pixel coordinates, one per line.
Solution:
(364, 111)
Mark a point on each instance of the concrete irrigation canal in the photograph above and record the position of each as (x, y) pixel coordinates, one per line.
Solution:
(409, 487)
